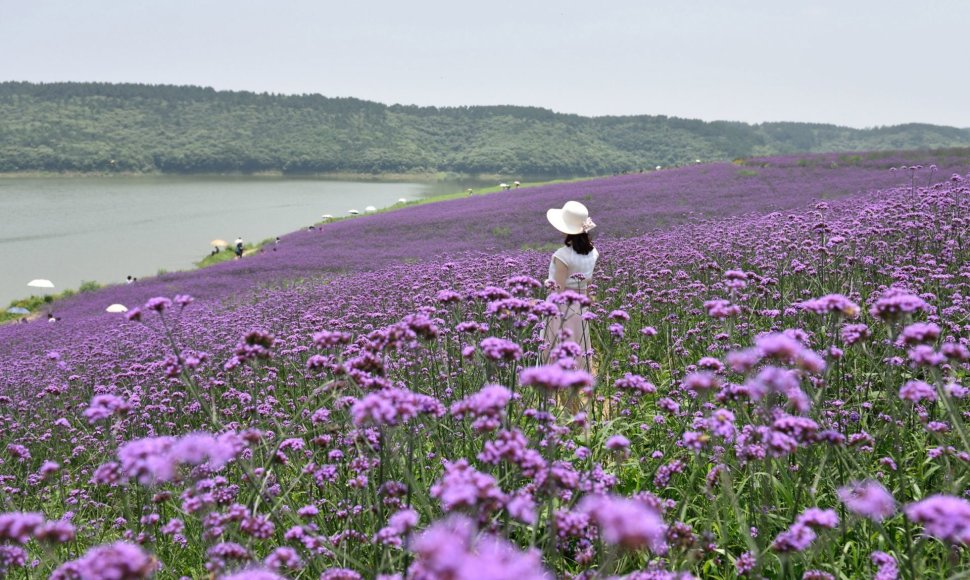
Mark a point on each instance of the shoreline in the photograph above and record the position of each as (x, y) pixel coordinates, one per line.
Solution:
(39, 303)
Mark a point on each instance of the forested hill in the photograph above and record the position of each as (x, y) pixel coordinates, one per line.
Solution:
(101, 127)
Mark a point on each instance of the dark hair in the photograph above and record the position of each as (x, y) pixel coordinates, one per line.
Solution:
(580, 242)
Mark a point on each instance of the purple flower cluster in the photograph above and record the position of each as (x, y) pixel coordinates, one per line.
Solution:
(868, 499)
(393, 406)
(801, 534)
(156, 459)
(943, 516)
(451, 549)
(554, 378)
(832, 303)
(486, 407)
(462, 486)
(118, 560)
(896, 303)
(626, 523)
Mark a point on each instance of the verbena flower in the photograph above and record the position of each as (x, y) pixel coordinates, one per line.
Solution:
(626, 523)
(158, 304)
(802, 532)
(450, 548)
(463, 486)
(896, 303)
(721, 309)
(20, 527)
(393, 406)
(868, 499)
(916, 391)
(943, 516)
(118, 560)
(919, 332)
(831, 303)
(887, 568)
(487, 407)
(495, 348)
(854, 333)
(617, 443)
(104, 406)
(554, 378)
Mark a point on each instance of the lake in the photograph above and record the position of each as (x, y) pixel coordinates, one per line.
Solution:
(70, 230)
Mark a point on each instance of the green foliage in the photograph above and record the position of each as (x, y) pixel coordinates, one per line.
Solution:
(89, 286)
(217, 258)
(501, 231)
(547, 247)
(107, 128)
(38, 305)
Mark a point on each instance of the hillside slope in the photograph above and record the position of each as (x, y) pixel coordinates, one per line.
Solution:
(95, 127)
(778, 393)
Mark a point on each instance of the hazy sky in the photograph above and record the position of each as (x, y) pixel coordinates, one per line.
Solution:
(860, 63)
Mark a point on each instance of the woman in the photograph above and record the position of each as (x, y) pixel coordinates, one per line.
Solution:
(571, 268)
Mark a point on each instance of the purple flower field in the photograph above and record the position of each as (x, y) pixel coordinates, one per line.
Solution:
(777, 391)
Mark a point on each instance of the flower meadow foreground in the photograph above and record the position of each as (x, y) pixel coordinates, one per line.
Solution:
(775, 396)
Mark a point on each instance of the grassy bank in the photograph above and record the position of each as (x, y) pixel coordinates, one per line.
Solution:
(41, 305)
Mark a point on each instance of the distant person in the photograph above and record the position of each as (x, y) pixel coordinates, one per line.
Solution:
(571, 268)
(239, 247)
(310, 228)
(51, 317)
(129, 279)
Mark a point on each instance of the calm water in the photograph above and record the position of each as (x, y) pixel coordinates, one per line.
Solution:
(70, 230)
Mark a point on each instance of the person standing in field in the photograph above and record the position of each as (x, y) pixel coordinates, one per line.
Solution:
(239, 247)
(571, 268)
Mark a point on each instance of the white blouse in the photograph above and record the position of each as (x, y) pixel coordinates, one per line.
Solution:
(576, 263)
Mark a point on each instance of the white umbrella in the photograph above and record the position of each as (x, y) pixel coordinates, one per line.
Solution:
(116, 308)
(40, 283)
(370, 208)
(353, 211)
(327, 216)
(402, 200)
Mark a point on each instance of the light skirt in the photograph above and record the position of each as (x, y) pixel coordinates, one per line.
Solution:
(571, 319)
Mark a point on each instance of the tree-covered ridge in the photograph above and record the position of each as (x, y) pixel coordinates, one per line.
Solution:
(175, 129)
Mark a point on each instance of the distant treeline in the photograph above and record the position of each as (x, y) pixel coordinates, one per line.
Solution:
(97, 127)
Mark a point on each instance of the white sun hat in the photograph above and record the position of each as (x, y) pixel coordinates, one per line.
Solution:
(573, 218)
